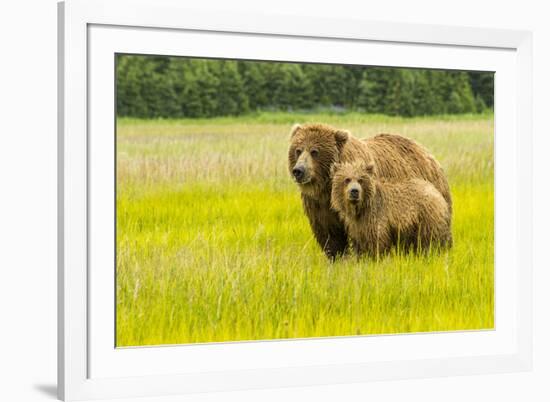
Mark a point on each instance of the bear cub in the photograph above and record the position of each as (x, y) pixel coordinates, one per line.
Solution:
(379, 213)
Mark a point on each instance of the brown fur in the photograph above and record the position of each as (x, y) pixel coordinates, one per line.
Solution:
(395, 157)
(383, 213)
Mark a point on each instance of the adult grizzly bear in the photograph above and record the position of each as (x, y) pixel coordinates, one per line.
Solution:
(314, 148)
(381, 213)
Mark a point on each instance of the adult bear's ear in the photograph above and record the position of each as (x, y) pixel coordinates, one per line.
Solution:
(369, 168)
(294, 129)
(341, 137)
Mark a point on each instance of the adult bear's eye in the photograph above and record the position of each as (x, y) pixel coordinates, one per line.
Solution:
(314, 153)
(298, 151)
(347, 181)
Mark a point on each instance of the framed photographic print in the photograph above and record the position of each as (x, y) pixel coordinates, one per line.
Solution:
(266, 201)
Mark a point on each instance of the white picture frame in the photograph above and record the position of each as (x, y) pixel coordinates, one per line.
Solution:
(89, 366)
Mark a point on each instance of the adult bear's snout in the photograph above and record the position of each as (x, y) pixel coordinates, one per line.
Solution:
(298, 172)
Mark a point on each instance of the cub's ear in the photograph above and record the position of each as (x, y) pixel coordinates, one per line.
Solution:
(341, 137)
(369, 168)
(334, 168)
(294, 129)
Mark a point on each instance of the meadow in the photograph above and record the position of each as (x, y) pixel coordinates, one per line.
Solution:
(213, 245)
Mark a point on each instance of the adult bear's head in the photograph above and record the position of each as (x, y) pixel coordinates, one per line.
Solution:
(314, 148)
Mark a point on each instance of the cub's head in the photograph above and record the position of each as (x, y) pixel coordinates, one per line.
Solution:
(352, 187)
(314, 148)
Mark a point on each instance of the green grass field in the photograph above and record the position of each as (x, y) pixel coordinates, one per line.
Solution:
(212, 243)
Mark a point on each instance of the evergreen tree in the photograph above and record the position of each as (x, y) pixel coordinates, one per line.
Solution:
(366, 98)
(200, 95)
(231, 96)
(129, 101)
(482, 84)
(254, 82)
(423, 98)
(352, 79)
(399, 100)
(296, 92)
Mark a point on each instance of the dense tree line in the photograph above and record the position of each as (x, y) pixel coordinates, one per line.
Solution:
(151, 86)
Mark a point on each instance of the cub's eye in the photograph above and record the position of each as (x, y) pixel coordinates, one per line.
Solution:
(298, 151)
(347, 181)
(314, 153)
(360, 181)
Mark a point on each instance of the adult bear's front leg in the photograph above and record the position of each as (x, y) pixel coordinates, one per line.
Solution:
(336, 243)
(329, 231)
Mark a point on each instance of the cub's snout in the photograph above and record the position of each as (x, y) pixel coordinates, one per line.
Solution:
(354, 192)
